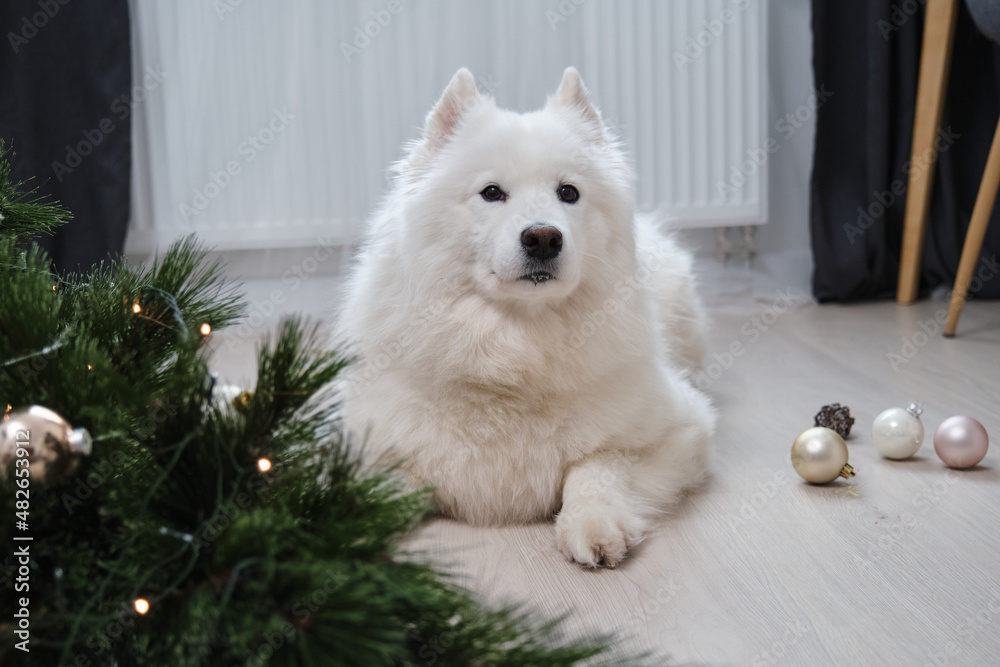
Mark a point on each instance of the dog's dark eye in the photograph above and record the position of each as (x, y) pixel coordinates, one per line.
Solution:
(493, 193)
(568, 194)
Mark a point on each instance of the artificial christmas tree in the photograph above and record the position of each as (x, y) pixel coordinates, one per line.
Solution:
(195, 533)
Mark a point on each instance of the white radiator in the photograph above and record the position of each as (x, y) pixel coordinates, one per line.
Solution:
(272, 123)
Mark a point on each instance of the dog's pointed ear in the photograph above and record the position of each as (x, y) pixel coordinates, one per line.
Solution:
(460, 95)
(572, 93)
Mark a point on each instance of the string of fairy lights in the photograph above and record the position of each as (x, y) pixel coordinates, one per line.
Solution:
(263, 464)
(205, 329)
(153, 314)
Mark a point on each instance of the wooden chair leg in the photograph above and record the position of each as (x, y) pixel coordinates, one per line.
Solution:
(974, 236)
(935, 58)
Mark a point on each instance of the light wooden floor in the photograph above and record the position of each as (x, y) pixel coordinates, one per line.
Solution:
(899, 566)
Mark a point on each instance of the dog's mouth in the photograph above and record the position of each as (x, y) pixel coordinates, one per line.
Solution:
(538, 277)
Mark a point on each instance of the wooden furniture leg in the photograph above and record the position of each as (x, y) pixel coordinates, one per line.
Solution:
(974, 236)
(935, 58)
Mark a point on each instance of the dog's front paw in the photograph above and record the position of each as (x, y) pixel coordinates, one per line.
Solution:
(596, 536)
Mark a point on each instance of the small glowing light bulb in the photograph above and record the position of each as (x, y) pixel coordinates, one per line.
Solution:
(206, 329)
(136, 308)
(89, 367)
(263, 464)
(142, 605)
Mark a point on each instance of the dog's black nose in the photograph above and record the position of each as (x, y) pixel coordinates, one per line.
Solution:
(541, 241)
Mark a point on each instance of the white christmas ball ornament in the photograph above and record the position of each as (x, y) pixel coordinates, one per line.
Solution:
(898, 433)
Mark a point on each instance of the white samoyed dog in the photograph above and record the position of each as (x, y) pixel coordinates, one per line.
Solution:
(522, 342)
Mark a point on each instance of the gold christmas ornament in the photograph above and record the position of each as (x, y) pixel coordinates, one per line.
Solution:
(242, 402)
(819, 455)
(51, 447)
(230, 397)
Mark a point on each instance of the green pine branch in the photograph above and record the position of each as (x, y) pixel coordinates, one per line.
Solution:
(23, 211)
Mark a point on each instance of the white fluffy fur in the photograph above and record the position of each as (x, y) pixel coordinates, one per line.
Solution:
(518, 401)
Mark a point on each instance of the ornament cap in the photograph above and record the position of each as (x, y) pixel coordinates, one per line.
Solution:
(915, 409)
(80, 441)
(847, 471)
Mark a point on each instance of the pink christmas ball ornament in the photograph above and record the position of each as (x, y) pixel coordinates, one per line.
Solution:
(961, 442)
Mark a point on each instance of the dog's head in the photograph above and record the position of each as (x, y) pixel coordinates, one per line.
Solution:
(526, 205)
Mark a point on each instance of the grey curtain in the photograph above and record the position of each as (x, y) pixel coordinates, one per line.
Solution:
(868, 53)
(65, 80)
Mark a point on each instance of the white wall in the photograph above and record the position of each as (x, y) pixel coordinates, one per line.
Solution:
(784, 255)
